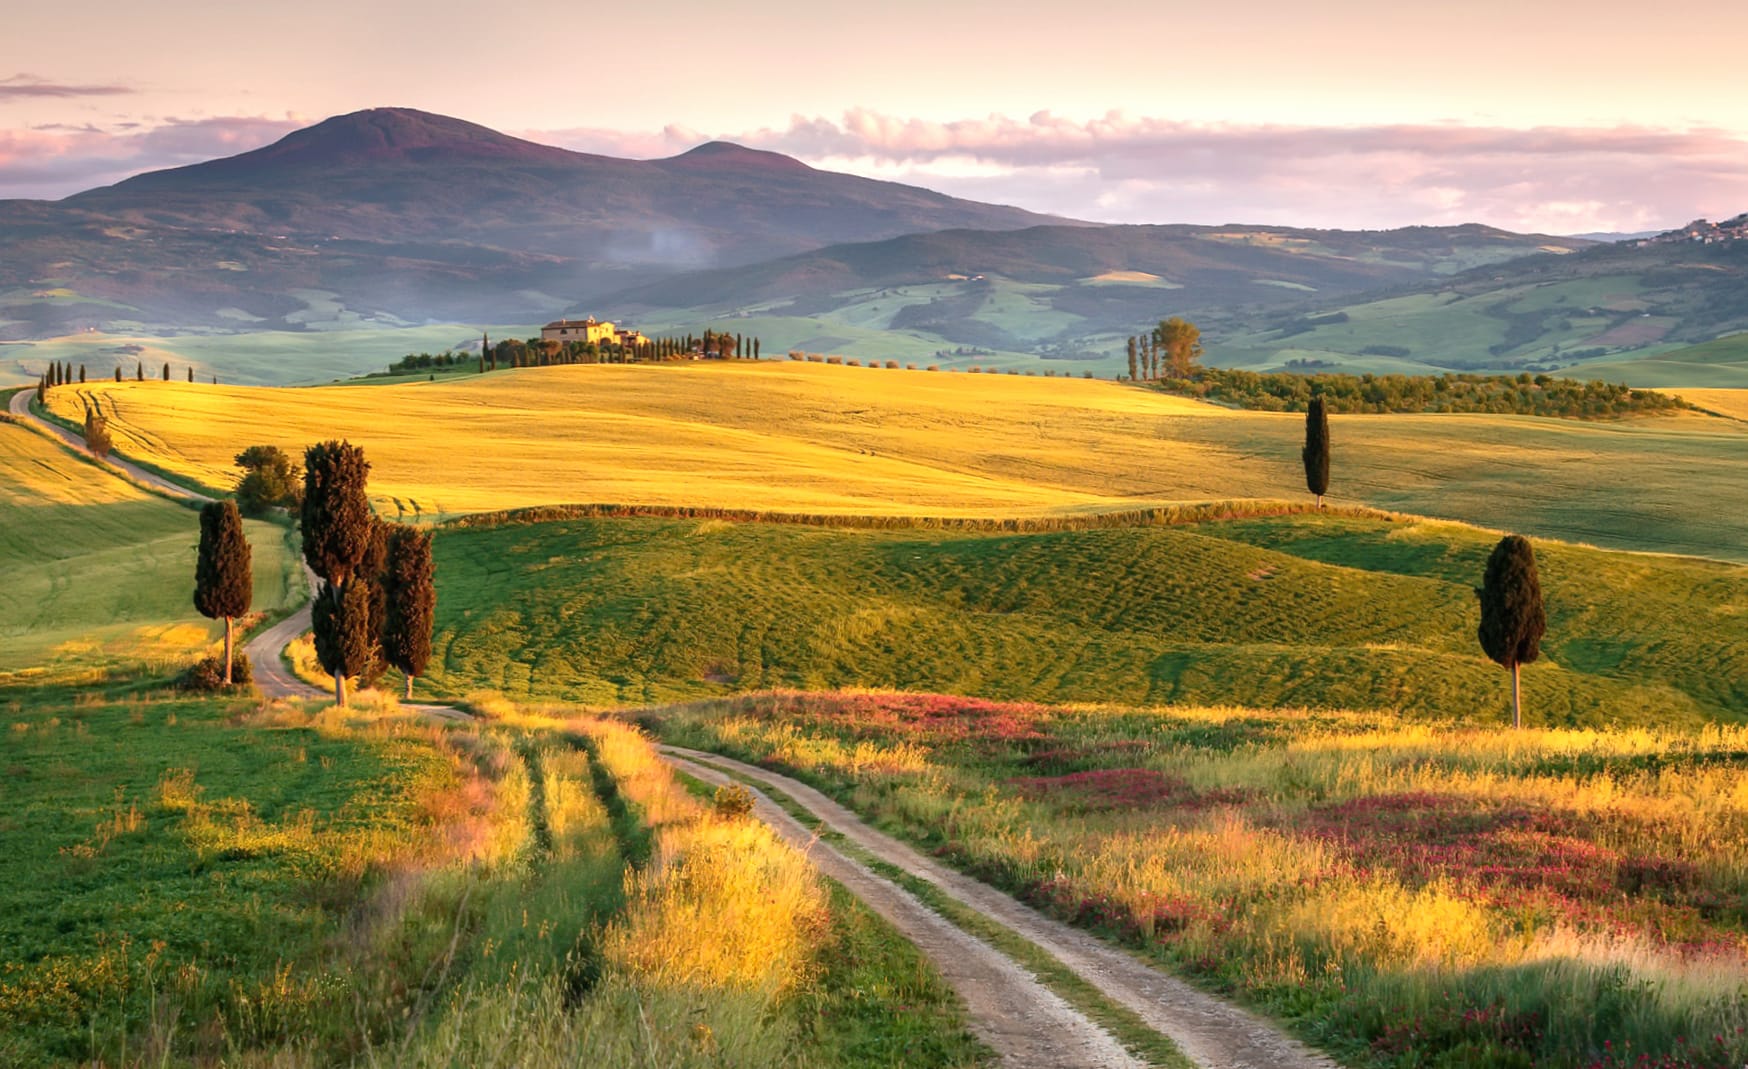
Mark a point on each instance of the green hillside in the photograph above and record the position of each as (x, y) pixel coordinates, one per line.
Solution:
(1071, 293)
(1313, 611)
(1615, 312)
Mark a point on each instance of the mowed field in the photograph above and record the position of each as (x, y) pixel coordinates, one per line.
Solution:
(1324, 612)
(94, 568)
(820, 439)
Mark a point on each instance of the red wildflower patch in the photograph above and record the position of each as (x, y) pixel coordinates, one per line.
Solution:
(1125, 788)
(1152, 917)
(934, 717)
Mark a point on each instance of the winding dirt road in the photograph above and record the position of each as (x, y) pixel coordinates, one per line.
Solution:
(20, 407)
(1210, 1031)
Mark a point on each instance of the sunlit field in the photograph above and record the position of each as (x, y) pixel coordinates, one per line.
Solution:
(197, 881)
(1320, 611)
(822, 439)
(94, 569)
(1405, 895)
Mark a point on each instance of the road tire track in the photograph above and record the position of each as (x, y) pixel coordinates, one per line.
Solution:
(1210, 1031)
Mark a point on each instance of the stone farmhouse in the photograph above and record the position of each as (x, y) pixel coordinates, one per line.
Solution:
(591, 330)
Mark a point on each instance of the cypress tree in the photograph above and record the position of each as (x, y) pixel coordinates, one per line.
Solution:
(755, 348)
(370, 574)
(1134, 360)
(1512, 620)
(190, 373)
(118, 372)
(224, 582)
(81, 374)
(42, 388)
(341, 621)
(412, 602)
(1316, 451)
(96, 433)
(166, 371)
(139, 372)
(336, 522)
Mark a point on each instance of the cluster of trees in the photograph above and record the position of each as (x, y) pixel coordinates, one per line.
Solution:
(536, 352)
(375, 599)
(1522, 394)
(269, 481)
(1169, 351)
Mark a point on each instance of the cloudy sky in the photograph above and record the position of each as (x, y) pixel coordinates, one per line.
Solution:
(1551, 115)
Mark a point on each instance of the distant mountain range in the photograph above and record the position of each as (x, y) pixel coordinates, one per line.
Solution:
(399, 216)
(1072, 290)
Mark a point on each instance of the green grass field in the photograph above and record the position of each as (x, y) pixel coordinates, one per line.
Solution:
(813, 438)
(1322, 612)
(93, 569)
(213, 881)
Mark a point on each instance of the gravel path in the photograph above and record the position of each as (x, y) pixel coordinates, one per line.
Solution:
(1026, 1023)
(1209, 1030)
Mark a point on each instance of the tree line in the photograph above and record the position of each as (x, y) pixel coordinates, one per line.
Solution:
(539, 352)
(61, 373)
(1522, 394)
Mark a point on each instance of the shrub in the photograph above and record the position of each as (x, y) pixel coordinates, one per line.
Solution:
(934, 367)
(793, 355)
(853, 362)
(733, 802)
(912, 367)
(208, 674)
(834, 359)
(892, 365)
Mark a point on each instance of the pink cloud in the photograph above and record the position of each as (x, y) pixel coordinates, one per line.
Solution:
(23, 86)
(1115, 167)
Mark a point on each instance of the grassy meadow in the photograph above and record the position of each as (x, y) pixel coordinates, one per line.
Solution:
(215, 881)
(821, 439)
(93, 568)
(1299, 611)
(1401, 895)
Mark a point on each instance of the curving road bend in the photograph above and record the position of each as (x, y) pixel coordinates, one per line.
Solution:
(1209, 1030)
(20, 407)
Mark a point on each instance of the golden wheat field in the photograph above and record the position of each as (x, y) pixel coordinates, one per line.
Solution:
(91, 565)
(817, 438)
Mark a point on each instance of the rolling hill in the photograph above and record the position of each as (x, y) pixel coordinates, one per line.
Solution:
(397, 216)
(1621, 312)
(1068, 292)
(810, 438)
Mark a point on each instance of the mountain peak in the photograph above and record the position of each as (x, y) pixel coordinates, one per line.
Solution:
(726, 156)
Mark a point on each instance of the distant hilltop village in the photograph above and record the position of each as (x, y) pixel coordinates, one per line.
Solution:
(1703, 232)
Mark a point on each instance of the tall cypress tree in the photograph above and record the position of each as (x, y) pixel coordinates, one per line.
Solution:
(81, 374)
(118, 372)
(370, 573)
(1134, 361)
(1316, 451)
(412, 602)
(166, 371)
(139, 372)
(1512, 619)
(224, 582)
(190, 373)
(340, 618)
(336, 522)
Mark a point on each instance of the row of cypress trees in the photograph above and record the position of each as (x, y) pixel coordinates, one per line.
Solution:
(1513, 619)
(375, 599)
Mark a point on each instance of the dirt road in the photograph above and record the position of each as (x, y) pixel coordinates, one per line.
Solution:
(1210, 1031)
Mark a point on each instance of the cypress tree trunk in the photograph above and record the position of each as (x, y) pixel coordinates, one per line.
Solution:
(340, 691)
(409, 688)
(1516, 697)
(229, 620)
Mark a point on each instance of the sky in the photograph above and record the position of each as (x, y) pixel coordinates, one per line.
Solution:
(1546, 115)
